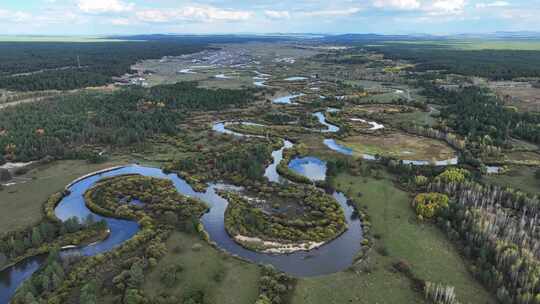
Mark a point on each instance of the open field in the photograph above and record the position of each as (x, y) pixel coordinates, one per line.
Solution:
(481, 44)
(525, 98)
(400, 145)
(222, 279)
(22, 203)
(168, 73)
(431, 256)
(235, 61)
(379, 109)
(384, 97)
(395, 114)
(523, 45)
(522, 157)
(418, 117)
(518, 177)
(523, 145)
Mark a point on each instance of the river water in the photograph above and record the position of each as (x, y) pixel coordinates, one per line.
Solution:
(332, 257)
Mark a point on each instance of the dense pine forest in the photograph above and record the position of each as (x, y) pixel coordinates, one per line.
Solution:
(59, 128)
(65, 66)
(492, 64)
(481, 116)
(439, 54)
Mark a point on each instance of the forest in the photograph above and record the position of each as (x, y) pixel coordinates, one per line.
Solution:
(492, 64)
(321, 218)
(496, 229)
(60, 127)
(476, 113)
(49, 233)
(35, 66)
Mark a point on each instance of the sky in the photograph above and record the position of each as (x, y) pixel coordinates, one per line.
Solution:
(106, 17)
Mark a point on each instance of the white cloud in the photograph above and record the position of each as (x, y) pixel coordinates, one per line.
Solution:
(431, 7)
(14, 16)
(192, 13)
(104, 6)
(120, 21)
(277, 14)
(397, 4)
(520, 14)
(492, 4)
(332, 13)
(447, 6)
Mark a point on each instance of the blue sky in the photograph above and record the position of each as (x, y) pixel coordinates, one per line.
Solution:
(98, 17)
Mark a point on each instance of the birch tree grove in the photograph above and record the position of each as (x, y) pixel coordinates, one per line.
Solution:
(498, 229)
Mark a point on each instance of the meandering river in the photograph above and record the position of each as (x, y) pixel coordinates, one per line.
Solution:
(332, 257)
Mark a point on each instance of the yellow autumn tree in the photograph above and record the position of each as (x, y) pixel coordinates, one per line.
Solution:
(428, 204)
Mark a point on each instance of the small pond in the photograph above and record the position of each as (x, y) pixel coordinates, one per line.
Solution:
(310, 167)
(287, 99)
(296, 78)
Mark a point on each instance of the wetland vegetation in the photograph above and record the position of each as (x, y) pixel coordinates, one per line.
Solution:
(302, 173)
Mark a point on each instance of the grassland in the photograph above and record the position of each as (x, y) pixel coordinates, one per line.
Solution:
(399, 145)
(431, 256)
(518, 177)
(222, 279)
(384, 97)
(522, 158)
(418, 117)
(166, 72)
(482, 44)
(379, 109)
(525, 99)
(22, 203)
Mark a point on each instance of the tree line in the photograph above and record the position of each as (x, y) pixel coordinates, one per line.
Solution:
(64, 126)
(482, 117)
(497, 230)
(31, 66)
(492, 64)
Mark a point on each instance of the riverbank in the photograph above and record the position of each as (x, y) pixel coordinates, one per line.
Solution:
(66, 243)
(22, 203)
(275, 247)
(396, 237)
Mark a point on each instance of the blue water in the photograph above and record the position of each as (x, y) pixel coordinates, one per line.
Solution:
(271, 171)
(70, 206)
(333, 145)
(310, 167)
(332, 257)
(221, 127)
(296, 78)
(330, 128)
(329, 258)
(287, 99)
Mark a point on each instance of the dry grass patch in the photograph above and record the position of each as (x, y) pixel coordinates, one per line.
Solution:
(401, 146)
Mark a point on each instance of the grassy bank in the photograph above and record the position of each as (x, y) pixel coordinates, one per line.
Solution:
(400, 238)
(221, 278)
(399, 145)
(518, 177)
(22, 203)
